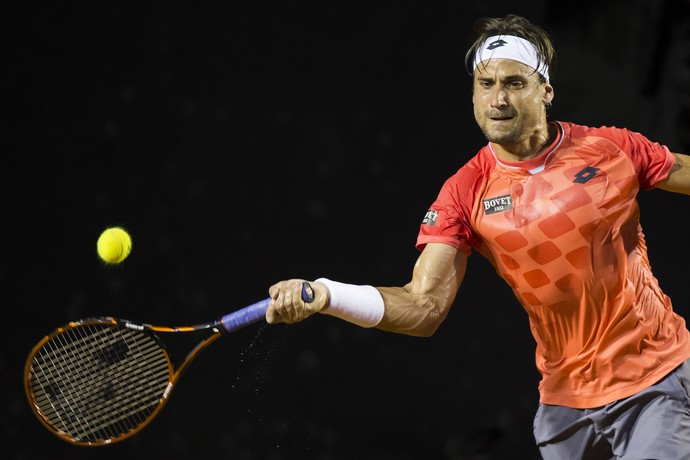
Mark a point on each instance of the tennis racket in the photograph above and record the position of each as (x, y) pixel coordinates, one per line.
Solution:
(97, 381)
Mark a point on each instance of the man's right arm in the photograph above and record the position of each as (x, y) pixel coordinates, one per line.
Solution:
(419, 307)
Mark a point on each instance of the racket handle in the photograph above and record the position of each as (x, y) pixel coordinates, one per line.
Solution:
(256, 312)
(245, 316)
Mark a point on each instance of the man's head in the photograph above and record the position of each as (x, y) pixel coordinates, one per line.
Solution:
(514, 26)
(512, 61)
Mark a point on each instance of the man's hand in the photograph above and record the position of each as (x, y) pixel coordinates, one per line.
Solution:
(287, 305)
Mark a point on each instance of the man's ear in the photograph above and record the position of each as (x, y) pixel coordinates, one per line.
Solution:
(548, 94)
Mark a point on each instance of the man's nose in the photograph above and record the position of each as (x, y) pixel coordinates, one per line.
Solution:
(499, 98)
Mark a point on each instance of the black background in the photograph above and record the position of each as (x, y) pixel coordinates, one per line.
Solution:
(242, 143)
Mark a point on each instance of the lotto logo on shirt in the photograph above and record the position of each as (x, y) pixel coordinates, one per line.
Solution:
(497, 204)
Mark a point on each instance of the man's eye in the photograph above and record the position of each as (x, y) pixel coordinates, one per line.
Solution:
(515, 84)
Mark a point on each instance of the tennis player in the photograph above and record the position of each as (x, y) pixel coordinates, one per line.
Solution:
(552, 205)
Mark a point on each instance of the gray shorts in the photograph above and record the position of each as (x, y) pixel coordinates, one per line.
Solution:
(653, 424)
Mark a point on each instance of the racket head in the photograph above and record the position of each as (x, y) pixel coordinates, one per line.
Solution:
(98, 381)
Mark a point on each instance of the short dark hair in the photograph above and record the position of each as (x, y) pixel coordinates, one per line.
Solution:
(516, 26)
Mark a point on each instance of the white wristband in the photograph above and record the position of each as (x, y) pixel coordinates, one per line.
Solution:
(360, 305)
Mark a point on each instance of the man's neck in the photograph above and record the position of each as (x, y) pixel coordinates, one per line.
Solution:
(534, 146)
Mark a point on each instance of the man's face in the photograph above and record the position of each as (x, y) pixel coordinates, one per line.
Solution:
(509, 101)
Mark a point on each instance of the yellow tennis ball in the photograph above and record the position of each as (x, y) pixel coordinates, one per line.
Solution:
(114, 245)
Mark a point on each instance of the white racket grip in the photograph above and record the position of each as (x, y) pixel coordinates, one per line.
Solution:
(357, 304)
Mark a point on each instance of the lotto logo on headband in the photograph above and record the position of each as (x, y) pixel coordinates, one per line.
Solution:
(496, 44)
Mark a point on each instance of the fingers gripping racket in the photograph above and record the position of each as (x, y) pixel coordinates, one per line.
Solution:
(97, 381)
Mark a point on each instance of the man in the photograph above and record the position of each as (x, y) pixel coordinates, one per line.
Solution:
(553, 207)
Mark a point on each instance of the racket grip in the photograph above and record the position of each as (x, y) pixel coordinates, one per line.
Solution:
(245, 316)
(256, 312)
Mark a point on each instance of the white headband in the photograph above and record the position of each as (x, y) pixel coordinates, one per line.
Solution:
(511, 47)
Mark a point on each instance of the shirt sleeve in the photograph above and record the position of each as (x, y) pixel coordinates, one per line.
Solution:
(448, 220)
(652, 161)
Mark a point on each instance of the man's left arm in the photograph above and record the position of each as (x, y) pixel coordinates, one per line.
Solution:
(678, 179)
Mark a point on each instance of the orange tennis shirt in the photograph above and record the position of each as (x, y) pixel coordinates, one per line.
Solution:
(563, 231)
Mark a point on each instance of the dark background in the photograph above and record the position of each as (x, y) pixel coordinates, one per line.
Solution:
(242, 143)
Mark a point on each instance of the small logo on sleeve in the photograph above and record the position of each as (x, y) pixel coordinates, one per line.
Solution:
(497, 204)
(430, 218)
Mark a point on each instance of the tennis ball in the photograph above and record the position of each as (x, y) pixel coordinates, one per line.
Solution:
(114, 245)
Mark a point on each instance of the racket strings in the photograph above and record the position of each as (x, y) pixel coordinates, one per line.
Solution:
(110, 390)
(121, 394)
(106, 390)
(71, 357)
(98, 382)
(66, 391)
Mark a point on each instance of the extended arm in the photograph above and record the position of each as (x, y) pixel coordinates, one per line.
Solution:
(678, 179)
(417, 308)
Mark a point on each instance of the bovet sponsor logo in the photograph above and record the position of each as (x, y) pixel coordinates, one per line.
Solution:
(497, 204)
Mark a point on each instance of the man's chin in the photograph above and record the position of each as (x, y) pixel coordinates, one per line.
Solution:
(499, 137)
